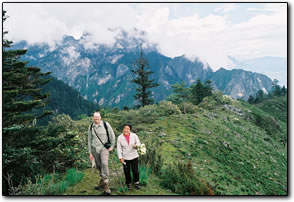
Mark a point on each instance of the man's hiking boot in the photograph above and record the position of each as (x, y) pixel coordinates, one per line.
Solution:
(106, 194)
(137, 185)
(100, 185)
(106, 188)
(129, 186)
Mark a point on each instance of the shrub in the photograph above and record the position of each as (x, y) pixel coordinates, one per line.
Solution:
(167, 108)
(227, 99)
(148, 114)
(187, 107)
(130, 117)
(269, 124)
(209, 103)
(181, 179)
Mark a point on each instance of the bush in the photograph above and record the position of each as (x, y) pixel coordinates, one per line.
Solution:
(187, 107)
(209, 103)
(167, 108)
(269, 124)
(181, 179)
(215, 100)
(227, 99)
(148, 114)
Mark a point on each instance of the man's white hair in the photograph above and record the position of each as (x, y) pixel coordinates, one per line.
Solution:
(97, 113)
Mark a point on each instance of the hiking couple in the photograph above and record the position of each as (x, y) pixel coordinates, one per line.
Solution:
(101, 141)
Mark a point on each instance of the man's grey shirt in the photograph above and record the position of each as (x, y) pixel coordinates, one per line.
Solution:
(94, 144)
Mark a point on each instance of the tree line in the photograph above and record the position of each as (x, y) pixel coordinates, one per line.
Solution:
(260, 95)
(193, 94)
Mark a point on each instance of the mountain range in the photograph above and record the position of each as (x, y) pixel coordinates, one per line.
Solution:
(101, 73)
(266, 65)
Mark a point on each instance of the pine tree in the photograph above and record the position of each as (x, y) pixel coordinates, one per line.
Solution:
(284, 90)
(142, 72)
(21, 94)
(207, 88)
(250, 99)
(277, 91)
(198, 92)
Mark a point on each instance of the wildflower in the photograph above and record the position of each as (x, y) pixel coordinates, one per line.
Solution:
(141, 149)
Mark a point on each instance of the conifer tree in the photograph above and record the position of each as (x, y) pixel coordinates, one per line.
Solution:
(207, 88)
(284, 90)
(198, 92)
(276, 88)
(142, 72)
(21, 94)
(250, 99)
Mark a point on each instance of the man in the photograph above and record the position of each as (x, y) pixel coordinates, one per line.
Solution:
(100, 145)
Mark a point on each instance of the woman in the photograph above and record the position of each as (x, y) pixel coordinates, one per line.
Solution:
(128, 155)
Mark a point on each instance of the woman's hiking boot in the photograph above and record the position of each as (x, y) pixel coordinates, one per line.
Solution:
(137, 185)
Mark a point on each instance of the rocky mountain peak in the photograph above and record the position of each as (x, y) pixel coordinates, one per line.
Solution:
(102, 73)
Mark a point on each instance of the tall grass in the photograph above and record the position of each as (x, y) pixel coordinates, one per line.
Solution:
(144, 172)
(51, 184)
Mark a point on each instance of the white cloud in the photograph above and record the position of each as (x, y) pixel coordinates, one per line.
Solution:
(226, 7)
(46, 22)
(211, 37)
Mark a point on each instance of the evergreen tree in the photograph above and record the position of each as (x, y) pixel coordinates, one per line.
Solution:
(142, 72)
(198, 92)
(250, 99)
(24, 144)
(277, 91)
(207, 88)
(284, 90)
(259, 96)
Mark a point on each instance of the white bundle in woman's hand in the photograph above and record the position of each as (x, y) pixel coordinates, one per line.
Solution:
(141, 149)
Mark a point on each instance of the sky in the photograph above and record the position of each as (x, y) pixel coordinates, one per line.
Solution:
(208, 31)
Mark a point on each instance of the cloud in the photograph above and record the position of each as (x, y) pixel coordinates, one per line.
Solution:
(210, 37)
(49, 22)
(226, 7)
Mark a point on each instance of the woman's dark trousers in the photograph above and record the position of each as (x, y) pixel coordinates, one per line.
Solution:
(134, 165)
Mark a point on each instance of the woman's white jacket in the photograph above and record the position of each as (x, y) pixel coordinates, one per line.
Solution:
(125, 150)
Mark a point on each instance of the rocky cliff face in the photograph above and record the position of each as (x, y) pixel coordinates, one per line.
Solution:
(239, 83)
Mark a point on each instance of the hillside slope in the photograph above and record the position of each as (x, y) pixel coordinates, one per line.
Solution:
(236, 148)
(63, 99)
(276, 106)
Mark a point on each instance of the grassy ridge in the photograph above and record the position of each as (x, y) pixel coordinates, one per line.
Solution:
(234, 147)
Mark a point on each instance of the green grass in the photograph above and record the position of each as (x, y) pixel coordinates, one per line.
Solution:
(91, 178)
(51, 184)
(233, 152)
